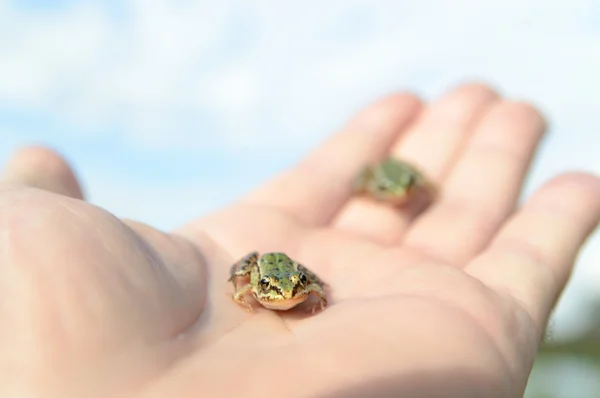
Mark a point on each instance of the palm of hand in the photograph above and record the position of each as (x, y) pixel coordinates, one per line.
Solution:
(452, 302)
(379, 294)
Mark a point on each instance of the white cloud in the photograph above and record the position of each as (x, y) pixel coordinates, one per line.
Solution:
(265, 74)
(86, 68)
(297, 72)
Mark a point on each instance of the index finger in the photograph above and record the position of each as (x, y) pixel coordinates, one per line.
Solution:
(316, 188)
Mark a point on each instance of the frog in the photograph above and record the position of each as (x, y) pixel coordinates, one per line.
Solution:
(276, 281)
(391, 181)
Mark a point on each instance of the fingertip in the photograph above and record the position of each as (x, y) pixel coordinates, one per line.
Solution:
(388, 110)
(576, 190)
(398, 99)
(578, 179)
(528, 112)
(473, 89)
(40, 158)
(42, 167)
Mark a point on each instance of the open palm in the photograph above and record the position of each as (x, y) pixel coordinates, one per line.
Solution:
(450, 302)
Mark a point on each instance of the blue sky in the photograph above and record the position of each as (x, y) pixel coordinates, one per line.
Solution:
(163, 106)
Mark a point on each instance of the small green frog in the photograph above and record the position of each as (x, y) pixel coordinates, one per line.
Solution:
(276, 282)
(391, 181)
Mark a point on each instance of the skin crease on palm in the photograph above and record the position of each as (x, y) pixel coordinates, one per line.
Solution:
(453, 302)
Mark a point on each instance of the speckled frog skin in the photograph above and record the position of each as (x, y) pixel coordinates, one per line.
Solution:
(276, 282)
(390, 181)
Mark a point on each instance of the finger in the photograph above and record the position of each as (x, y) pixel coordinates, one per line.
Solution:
(532, 257)
(314, 190)
(42, 168)
(483, 188)
(436, 141)
(432, 145)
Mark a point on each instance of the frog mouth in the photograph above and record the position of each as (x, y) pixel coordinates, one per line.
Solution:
(297, 291)
(280, 297)
(282, 304)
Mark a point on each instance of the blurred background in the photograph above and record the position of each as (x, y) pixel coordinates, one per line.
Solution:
(162, 106)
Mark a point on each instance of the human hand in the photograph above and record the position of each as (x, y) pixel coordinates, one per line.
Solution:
(453, 302)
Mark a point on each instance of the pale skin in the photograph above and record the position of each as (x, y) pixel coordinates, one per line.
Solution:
(454, 302)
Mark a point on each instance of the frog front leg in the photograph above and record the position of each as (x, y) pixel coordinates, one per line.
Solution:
(239, 294)
(361, 182)
(243, 267)
(316, 290)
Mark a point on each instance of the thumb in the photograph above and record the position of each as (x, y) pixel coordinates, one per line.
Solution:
(89, 295)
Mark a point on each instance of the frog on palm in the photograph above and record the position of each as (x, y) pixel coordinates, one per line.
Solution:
(276, 282)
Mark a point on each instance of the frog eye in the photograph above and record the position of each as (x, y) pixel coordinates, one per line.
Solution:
(382, 186)
(411, 179)
(264, 283)
(303, 278)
